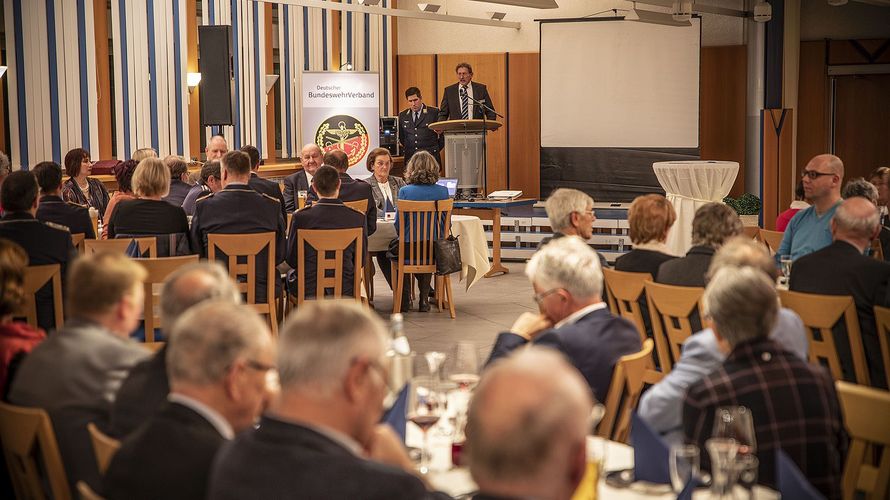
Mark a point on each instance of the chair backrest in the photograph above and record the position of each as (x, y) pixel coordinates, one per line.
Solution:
(248, 247)
(360, 205)
(87, 493)
(773, 239)
(424, 221)
(625, 290)
(882, 318)
(819, 314)
(877, 251)
(146, 245)
(32, 453)
(35, 279)
(158, 269)
(670, 309)
(104, 446)
(866, 413)
(752, 232)
(631, 375)
(94, 219)
(325, 241)
(77, 240)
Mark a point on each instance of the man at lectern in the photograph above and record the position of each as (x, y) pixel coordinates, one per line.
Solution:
(457, 103)
(414, 131)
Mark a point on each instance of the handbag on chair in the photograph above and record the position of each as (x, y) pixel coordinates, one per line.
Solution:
(447, 253)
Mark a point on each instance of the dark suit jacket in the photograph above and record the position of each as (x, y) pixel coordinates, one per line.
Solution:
(144, 391)
(71, 215)
(449, 109)
(839, 269)
(285, 460)
(642, 261)
(395, 183)
(178, 192)
(354, 190)
(592, 344)
(268, 187)
(686, 271)
(168, 457)
(293, 183)
(416, 136)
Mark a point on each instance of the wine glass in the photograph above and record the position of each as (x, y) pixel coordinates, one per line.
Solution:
(465, 369)
(426, 405)
(722, 452)
(435, 362)
(785, 261)
(735, 422)
(684, 465)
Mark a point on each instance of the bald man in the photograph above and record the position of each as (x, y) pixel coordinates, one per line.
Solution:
(216, 148)
(809, 230)
(842, 269)
(527, 427)
(310, 159)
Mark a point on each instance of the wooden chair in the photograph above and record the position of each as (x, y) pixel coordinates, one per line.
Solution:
(670, 310)
(35, 279)
(625, 290)
(368, 268)
(87, 493)
(325, 241)
(416, 256)
(752, 232)
(877, 251)
(94, 218)
(773, 239)
(866, 413)
(153, 346)
(360, 205)
(146, 245)
(631, 375)
(882, 318)
(248, 246)
(104, 446)
(77, 240)
(32, 453)
(158, 269)
(819, 314)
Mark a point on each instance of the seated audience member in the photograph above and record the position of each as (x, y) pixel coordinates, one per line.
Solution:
(792, 402)
(326, 213)
(218, 360)
(384, 186)
(80, 188)
(216, 148)
(310, 160)
(321, 437)
(210, 182)
(570, 213)
(797, 205)
(842, 269)
(237, 209)
(864, 189)
(350, 189)
(662, 405)
(123, 173)
(713, 224)
(531, 446)
(52, 208)
(17, 339)
(143, 153)
(259, 184)
(44, 242)
(76, 372)
(567, 281)
(179, 187)
(649, 218)
(146, 387)
(809, 230)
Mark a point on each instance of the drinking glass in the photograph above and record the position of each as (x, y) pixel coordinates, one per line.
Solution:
(745, 470)
(684, 465)
(735, 422)
(785, 261)
(722, 452)
(301, 198)
(465, 368)
(435, 362)
(426, 405)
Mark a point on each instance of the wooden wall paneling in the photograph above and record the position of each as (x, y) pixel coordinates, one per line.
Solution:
(524, 134)
(271, 97)
(103, 79)
(723, 91)
(416, 71)
(862, 123)
(876, 51)
(4, 117)
(777, 175)
(812, 103)
(490, 69)
(194, 113)
(396, 105)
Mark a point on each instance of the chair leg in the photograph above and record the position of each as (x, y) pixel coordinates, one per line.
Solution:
(440, 296)
(273, 320)
(398, 282)
(368, 278)
(450, 296)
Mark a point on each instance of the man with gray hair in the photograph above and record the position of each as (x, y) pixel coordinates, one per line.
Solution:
(533, 446)
(793, 403)
(571, 214)
(568, 284)
(865, 189)
(147, 386)
(321, 438)
(218, 361)
(842, 269)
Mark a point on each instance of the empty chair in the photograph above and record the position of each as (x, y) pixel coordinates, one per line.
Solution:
(625, 292)
(32, 453)
(158, 269)
(332, 254)
(866, 413)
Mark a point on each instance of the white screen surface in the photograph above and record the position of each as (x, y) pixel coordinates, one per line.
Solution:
(616, 83)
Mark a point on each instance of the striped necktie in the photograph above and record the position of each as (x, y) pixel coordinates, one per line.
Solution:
(464, 103)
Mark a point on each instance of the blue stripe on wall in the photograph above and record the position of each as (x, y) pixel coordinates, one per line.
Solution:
(367, 42)
(324, 40)
(20, 84)
(177, 79)
(349, 37)
(84, 92)
(211, 4)
(237, 120)
(53, 79)
(260, 85)
(153, 73)
(306, 38)
(125, 83)
(287, 78)
(385, 88)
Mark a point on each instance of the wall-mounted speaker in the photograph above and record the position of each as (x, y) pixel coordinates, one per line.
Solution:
(215, 63)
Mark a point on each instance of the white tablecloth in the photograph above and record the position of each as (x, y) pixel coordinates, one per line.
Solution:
(689, 185)
(471, 236)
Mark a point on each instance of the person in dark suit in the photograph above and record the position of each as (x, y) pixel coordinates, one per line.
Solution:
(237, 209)
(147, 385)
(179, 188)
(326, 213)
(218, 359)
(52, 208)
(350, 189)
(649, 218)
(259, 184)
(456, 103)
(497, 420)
(567, 281)
(45, 242)
(310, 160)
(321, 437)
(842, 269)
(211, 175)
(713, 224)
(870, 191)
(414, 131)
(792, 403)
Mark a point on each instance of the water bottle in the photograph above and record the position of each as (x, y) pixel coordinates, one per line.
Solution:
(400, 352)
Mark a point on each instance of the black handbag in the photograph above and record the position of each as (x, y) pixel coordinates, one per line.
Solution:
(447, 253)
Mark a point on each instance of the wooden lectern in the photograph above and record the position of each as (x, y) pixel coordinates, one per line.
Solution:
(465, 153)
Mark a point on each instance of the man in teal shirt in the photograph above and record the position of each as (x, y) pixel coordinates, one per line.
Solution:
(810, 229)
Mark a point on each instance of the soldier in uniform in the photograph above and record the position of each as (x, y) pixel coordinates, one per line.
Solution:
(238, 209)
(350, 189)
(52, 208)
(45, 242)
(326, 213)
(259, 184)
(414, 130)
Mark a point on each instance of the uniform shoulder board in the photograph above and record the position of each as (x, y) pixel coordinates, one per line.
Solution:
(78, 204)
(270, 197)
(58, 226)
(355, 210)
(205, 196)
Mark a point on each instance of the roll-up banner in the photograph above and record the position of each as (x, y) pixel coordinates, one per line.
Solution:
(341, 110)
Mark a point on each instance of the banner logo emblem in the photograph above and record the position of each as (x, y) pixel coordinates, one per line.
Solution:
(345, 133)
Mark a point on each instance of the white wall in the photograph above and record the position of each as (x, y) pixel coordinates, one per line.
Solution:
(818, 20)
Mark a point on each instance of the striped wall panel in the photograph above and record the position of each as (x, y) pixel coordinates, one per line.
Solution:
(366, 41)
(291, 57)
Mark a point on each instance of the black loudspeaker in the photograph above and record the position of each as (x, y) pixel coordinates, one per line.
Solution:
(214, 63)
(389, 126)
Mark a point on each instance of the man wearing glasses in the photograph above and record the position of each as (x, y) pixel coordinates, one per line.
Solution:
(810, 229)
